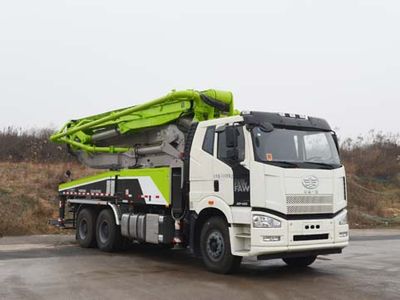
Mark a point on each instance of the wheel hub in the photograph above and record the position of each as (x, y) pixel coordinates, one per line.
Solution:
(83, 229)
(104, 232)
(215, 245)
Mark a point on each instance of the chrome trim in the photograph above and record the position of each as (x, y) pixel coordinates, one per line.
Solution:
(85, 201)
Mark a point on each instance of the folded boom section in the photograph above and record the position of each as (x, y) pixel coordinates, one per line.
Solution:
(145, 135)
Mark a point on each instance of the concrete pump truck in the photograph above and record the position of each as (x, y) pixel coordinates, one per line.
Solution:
(189, 170)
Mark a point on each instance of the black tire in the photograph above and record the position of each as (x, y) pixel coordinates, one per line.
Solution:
(108, 233)
(215, 247)
(299, 262)
(86, 228)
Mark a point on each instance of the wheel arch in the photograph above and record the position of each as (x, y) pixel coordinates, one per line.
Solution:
(204, 215)
(98, 207)
(117, 213)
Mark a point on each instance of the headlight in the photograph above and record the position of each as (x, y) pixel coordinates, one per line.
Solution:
(343, 219)
(265, 222)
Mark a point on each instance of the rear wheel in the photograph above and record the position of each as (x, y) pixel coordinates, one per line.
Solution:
(108, 234)
(299, 262)
(216, 248)
(86, 228)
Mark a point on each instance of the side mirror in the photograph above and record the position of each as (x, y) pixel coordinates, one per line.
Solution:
(266, 127)
(231, 137)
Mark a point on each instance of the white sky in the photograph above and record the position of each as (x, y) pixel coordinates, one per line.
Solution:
(339, 60)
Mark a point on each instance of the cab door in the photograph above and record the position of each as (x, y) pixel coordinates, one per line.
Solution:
(202, 162)
(231, 177)
(217, 165)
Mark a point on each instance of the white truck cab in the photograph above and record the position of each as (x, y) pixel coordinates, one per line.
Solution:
(278, 182)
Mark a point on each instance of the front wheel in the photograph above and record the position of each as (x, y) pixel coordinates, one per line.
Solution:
(216, 248)
(299, 262)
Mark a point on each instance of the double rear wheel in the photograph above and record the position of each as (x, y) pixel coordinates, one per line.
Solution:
(98, 229)
(86, 228)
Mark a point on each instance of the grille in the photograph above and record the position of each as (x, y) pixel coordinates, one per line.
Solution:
(309, 204)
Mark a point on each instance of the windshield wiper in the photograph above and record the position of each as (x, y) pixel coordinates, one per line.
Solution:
(284, 163)
(322, 165)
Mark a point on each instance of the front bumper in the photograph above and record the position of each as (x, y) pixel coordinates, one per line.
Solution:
(294, 236)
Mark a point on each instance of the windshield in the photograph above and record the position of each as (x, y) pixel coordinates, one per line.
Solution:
(296, 148)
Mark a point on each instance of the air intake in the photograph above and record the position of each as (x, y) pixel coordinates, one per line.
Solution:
(309, 204)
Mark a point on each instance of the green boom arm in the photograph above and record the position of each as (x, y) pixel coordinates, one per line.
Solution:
(205, 105)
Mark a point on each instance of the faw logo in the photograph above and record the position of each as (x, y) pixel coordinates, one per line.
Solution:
(241, 185)
(310, 182)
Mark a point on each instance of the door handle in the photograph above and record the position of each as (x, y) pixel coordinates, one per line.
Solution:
(216, 186)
